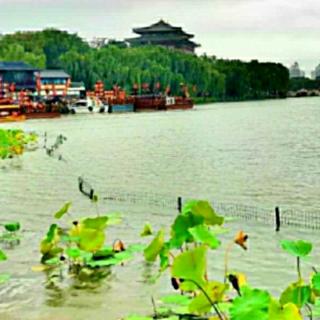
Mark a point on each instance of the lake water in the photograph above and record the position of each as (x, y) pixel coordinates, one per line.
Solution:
(263, 153)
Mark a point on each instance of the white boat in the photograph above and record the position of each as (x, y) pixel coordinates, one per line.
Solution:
(87, 106)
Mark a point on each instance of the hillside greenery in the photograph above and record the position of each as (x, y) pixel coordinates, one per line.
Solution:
(206, 77)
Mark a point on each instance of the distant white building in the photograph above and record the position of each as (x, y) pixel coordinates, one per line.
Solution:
(98, 43)
(316, 73)
(295, 71)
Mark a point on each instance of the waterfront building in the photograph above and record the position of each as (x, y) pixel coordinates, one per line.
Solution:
(295, 71)
(52, 82)
(98, 42)
(18, 75)
(164, 34)
(76, 90)
(316, 73)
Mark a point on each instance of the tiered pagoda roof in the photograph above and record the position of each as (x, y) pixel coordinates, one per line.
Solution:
(164, 34)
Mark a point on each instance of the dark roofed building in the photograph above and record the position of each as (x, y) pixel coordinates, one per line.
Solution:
(19, 73)
(163, 34)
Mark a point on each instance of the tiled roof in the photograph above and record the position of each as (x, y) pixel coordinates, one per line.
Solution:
(161, 26)
(16, 66)
(53, 74)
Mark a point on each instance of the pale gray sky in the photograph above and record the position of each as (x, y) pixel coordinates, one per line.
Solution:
(268, 30)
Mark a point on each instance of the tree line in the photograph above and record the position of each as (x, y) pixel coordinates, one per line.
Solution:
(300, 83)
(161, 68)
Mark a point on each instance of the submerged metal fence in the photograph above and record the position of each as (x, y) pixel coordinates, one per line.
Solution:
(275, 217)
(272, 216)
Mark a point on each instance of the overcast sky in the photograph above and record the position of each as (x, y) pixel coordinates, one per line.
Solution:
(268, 30)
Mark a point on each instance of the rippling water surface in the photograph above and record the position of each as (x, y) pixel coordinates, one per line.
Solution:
(262, 153)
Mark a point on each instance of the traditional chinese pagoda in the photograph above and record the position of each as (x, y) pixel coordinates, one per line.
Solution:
(164, 34)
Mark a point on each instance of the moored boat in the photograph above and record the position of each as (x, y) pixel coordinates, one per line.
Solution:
(38, 109)
(125, 107)
(11, 113)
(42, 115)
(87, 105)
(14, 118)
(158, 102)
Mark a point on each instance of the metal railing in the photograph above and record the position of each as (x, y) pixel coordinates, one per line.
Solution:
(275, 217)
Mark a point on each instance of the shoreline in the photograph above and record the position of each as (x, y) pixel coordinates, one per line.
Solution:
(201, 101)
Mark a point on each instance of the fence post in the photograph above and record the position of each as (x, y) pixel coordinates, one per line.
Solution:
(45, 140)
(80, 184)
(278, 219)
(180, 204)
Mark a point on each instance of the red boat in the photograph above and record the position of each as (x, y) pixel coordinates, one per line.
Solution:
(10, 112)
(40, 110)
(42, 115)
(154, 102)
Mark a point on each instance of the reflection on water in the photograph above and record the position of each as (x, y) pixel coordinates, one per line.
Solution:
(262, 153)
(61, 290)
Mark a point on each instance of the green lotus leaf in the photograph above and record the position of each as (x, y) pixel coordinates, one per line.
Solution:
(201, 304)
(147, 230)
(50, 240)
(103, 263)
(287, 312)
(316, 283)
(296, 293)
(154, 248)
(3, 256)
(203, 209)
(176, 299)
(52, 233)
(252, 304)
(103, 253)
(117, 258)
(4, 277)
(12, 226)
(98, 223)
(191, 265)
(53, 261)
(59, 214)
(225, 307)
(203, 234)
(123, 256)
(91, 240)
(299, 248)
(66, 238)
(180, 229)
(75, 253)
(316, 309)
(164, 257)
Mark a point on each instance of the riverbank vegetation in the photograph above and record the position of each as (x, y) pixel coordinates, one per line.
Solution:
(14, 142)
(297, 84)
(149, 68)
